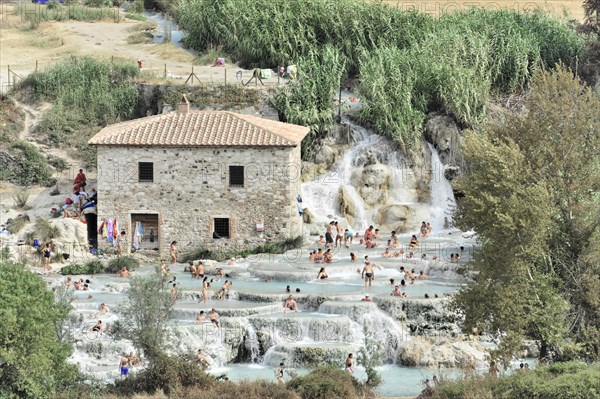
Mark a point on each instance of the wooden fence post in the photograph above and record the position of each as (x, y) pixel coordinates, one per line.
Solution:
(225, 75)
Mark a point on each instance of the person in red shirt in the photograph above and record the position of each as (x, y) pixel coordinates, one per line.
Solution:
(80, 181)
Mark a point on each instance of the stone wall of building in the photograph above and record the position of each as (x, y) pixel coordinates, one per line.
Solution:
(191, 188)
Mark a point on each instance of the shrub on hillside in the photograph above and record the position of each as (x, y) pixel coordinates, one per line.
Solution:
(326, 382)
(116, 264)
(32, 167)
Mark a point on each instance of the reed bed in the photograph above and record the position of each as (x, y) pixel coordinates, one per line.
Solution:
(408, 63)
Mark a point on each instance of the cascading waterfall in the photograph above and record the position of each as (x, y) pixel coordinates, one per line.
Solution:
(251, 342)
(321, 195)
(442, 196)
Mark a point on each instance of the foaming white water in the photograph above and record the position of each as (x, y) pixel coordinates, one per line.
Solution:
(442, 196)
(321, 195)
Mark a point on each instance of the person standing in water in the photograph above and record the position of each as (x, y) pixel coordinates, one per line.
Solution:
(205, 286)
(279, 373)
(173, 252)
(124, 365)
(348, 365)
(368, 274)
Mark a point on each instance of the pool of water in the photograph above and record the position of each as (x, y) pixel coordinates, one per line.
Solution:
(397, 380)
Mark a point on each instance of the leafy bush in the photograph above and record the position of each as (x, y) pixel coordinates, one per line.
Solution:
(136, 17)
(34, 362)
(137, 7)
(245, 389)
(98, 3)
(91, 267)
(32, 167)
(571, 380)
(326, 382)
(117, 263)
(12, 119)
(52, 5)
(58, 163)
(87, 93)
(167, 373)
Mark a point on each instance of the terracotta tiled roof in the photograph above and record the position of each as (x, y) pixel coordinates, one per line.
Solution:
(201, 128)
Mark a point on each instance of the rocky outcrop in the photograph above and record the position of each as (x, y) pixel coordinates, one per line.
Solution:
(373, 183)
(443, 132)
(427, 352)
(395, 218)
(425, 317)
(347, 206)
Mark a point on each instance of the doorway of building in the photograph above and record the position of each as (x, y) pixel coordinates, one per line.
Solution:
(145, 234)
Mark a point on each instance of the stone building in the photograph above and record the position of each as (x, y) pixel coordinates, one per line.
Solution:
(191, 176)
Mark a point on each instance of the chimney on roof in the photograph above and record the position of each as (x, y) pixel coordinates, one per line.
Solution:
(184, 105)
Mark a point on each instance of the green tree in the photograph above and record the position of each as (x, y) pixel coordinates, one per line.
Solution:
(532, 196)
(143, 316)
(32, 355)
(591, 10)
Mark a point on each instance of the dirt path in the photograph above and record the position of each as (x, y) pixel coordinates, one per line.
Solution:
(21, 48)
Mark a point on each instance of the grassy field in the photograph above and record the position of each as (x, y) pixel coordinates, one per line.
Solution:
(559, 8)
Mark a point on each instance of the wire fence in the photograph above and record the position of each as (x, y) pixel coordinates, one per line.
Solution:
(12, 74)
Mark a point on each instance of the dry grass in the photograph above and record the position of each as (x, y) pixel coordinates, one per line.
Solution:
(559, 8)
(173, 53)
(140, 37)
(46, 41)
(147, 26)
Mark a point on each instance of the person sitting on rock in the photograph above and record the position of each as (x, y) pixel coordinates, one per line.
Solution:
(387, 253)
(311, 256)
(422, 276)
(353, 257)
(321, 240)
(396, 291)
(370, 244)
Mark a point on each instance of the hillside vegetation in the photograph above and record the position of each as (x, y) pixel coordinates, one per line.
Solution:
(408, 63)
